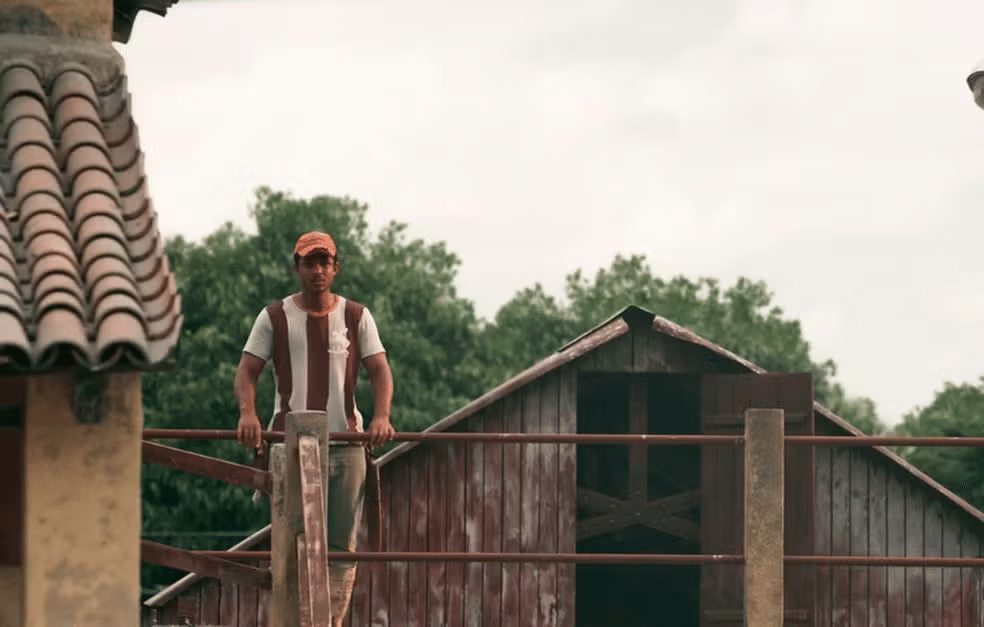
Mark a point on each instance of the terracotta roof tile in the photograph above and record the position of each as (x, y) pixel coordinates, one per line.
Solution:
(84, 279)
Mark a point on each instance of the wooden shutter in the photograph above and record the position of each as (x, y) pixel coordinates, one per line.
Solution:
(724, 399)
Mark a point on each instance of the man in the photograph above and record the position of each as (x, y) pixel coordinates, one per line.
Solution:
(316, 340)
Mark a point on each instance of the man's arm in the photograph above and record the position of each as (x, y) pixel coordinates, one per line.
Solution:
(247, 374)
(381, 382)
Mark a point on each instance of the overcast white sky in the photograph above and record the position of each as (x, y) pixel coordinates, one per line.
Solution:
(828, 147)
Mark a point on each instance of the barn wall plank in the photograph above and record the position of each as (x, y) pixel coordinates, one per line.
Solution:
(360, 608)
(841, 541)
(915, 589)
(933, 547)
(952, 600)
(615, 356)
(530, 515)
(895, 506)
(399, 520)
(858, 533)
(566, 496)
(474, 503)
(263, 602)
(419, 498)
(249, 605)
(229, 604)
(208, 598)
(455, 571)
(547, 541)
(379, 571)
(189, 605)
(492, 520)
(437, 509)
(822, 529)
(512, 457)
(877, 540)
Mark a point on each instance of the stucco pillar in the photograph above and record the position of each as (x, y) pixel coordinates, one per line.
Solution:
(82, 504)
(85, 19)
(764, 546)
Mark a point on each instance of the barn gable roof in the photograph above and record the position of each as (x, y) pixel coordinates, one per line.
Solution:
(620, 324)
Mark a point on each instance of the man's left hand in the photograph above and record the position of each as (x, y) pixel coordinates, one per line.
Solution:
(380, 431)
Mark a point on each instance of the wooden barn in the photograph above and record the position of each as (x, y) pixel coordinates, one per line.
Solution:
(639, 373)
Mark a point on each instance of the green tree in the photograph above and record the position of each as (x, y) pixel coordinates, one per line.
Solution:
(226, 279)
(956, 411)
(742, 318)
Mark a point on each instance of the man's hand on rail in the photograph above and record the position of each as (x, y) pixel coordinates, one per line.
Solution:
(248, 431)
(380, 431)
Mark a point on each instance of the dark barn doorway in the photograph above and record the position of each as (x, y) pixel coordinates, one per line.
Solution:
(638, 500)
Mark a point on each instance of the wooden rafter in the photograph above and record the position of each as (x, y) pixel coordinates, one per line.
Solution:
(206, 566)
(206, 466)
(660, 514)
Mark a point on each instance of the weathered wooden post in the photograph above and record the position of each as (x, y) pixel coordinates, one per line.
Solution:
(280, 545)
(301, 428)
(764, 532)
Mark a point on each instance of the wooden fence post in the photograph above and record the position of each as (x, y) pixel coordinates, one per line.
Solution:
(764, 537)
(280, 544)
(298, 425)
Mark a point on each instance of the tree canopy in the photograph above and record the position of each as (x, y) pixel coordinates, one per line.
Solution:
(441, 354)
(956, 411)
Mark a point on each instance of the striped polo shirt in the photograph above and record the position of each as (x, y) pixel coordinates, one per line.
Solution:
(312, 373)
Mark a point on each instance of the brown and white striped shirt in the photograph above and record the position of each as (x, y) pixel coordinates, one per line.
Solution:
(314, 366)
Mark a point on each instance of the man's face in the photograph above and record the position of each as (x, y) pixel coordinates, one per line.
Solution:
(317, 271)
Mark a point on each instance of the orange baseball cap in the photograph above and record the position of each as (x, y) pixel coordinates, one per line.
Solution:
(315, 240)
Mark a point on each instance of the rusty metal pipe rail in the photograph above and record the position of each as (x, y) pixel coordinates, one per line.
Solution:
(621, 558)
(587, 438)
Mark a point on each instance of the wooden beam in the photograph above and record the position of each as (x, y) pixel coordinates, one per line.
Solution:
(213, 567)
(638, 453)
(206, 466)
(305, 612)
(315, 531)
(658, 514)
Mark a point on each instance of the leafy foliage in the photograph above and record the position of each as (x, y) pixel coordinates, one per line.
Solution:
(956, 411)
(742, 318)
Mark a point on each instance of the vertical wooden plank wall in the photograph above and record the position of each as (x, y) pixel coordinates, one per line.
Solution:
(867, 505)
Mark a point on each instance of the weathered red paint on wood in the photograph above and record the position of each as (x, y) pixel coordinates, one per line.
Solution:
(253, 606)
(530, 513)
(399, 521)
(189, 607)
(511, 509)
(360, 606)
(857, 525)
(205, 466)
(315, 532)
(877, 541)
(379, 590)
(228, 604)
(933, 547)
(492, 520)
(548, 524)
(915, 589)
(895, 505)
(474, 502)
(566, 491)
(456, 531)
(952, 610)
(417, 572)
(841, 542)
(305, 583)
(208, 599)
(436, 461)
(823, 533)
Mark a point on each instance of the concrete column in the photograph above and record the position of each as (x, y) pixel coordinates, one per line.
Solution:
(764, 545)
(82, 505)
(83, 19)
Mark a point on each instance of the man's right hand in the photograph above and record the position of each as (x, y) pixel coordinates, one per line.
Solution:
(248, 432)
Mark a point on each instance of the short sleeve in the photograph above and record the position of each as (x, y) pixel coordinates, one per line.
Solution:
(260, 340)
(369, 342)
